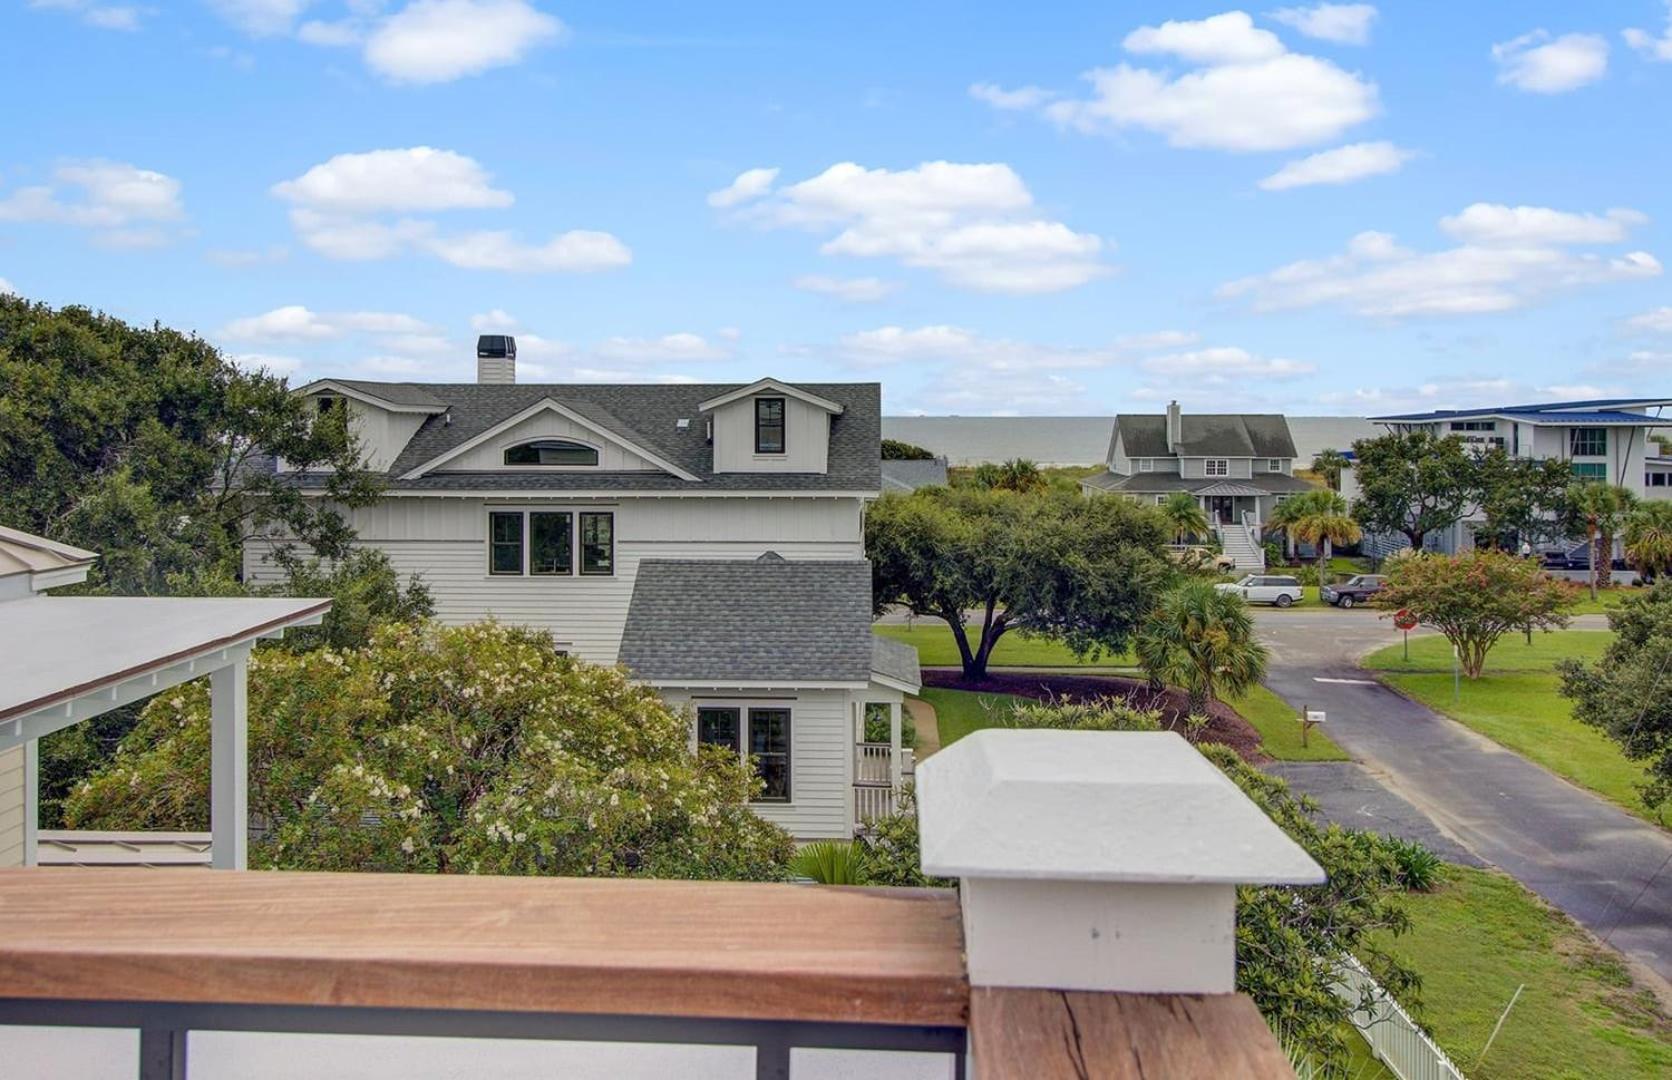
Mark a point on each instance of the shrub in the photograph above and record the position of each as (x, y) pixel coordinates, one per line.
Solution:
(1101, 714)
(896, 450)
(1419, 868)
(831, 862)
(893, 848)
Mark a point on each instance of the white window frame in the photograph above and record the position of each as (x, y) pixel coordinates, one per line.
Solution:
(1223, 466)
(1146, 464)
(1274, 465)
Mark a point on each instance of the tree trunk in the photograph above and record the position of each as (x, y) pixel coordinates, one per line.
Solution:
(1416, 537)
(965, 657)
(1602, 562)
(1592, 552)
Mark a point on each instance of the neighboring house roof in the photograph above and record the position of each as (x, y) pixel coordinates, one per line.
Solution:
(47, 562)
(402, 396)
(1163, 483)
(751, 621)
(911, 475)
(1208, 435)
(76, 847)
(1596, 412)
(897, 661)
(647, 416)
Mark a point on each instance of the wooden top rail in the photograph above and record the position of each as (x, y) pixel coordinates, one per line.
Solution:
(558, 945)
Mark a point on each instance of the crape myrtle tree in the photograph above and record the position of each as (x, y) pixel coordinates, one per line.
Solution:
(1085, 571)
(474, 749)
(1475, 598)
(1628, 693)
(146, 444)
(1412, 483)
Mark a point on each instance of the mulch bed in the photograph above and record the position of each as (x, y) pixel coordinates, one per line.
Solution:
(1224, 724)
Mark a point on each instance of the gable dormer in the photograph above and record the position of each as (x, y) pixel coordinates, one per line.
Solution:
(770, 426)
(383, 417)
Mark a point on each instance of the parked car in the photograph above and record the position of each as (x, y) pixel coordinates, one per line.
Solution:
(1354, 591)
(1265, 589)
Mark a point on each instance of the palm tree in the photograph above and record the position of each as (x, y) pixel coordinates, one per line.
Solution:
(1201, 640)
(1319, 518)
(1648, 537)
(1601, 508)
(1184, 514)
(1328, 464)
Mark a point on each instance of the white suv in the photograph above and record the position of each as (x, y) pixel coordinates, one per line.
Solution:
(1266, 589)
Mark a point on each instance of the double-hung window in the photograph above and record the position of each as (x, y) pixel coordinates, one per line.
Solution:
(1216, 467)
(769, 425)
(544, 543)
(1146, 464)
(761, 735)
(1589, 442)
(1274, 465)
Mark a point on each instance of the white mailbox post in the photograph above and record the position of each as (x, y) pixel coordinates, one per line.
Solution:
(1097, 860)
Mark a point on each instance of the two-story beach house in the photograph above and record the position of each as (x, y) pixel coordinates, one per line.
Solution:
(1604, 439)
(708, 537)
(1238, 466)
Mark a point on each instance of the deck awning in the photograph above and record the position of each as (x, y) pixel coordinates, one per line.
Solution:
(1231, 487)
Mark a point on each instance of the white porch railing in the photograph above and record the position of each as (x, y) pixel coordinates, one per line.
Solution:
(873, 786)
(1394, 1037)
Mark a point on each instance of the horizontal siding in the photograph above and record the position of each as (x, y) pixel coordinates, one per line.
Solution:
(11, 807)
(821, 751)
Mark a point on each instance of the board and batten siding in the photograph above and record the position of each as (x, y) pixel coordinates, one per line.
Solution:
(806, 438)
(821, 757)
(490, 456)
(444, 542)
(13, 806)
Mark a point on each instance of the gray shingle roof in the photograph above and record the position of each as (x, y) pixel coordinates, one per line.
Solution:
(646, 416)
(1162, 483)
(393, 393)
(896, 660)
(911, 475)
(1208, 434)
(766, 619)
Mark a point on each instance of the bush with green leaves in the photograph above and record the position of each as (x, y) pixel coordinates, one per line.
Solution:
(897, 450)
(475, 749)
(894, 848)
(1627, 694)
(1201, 640)
(831, 862)
(1095, 714)
(1475, 598)
(1419, 868)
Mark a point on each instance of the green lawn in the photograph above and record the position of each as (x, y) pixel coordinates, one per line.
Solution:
(1607, 600)
(1275, 720)
(1479, 936)
(936, 648)
(1516, 703)
(959, 712)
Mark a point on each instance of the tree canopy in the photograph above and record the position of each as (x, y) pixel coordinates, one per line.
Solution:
(1328, 464)
(1524, 499)
(1085, 571)
(1185, 515)
(1319, 518)
(1412, 483)
(1201, 640)
(895, 450)
(431, 749)
(1476, 598)
(1600, 511)
(1648, 536)
(1628, 693)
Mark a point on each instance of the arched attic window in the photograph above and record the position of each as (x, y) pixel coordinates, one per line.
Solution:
(551, 452)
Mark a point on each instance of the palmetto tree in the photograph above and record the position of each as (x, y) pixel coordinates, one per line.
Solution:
(1319, 518)
(1648, 536)
(1184, 514)
(1601, 509)
(1201, 640)
(1328, 464)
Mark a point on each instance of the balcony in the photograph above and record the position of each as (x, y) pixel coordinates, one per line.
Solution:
(876, 786)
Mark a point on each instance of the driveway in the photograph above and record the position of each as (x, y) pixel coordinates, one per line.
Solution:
(1612, 872)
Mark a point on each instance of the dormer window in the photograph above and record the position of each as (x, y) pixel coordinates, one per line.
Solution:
(326, 404)
(551, 452)
(769, 425)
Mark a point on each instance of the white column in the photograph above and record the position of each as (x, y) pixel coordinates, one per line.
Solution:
(894, 747)
(229, 791)
(31, 801)
(1101, 861)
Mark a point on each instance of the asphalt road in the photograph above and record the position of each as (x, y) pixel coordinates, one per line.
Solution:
(1612, 872)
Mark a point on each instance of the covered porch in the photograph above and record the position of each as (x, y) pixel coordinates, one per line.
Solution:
(1229, 502)
(881, 769)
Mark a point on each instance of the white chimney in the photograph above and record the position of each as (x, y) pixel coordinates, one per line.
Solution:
(1175, 426)
(496, 359)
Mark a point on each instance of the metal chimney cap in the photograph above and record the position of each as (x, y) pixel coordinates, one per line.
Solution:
(494, 346)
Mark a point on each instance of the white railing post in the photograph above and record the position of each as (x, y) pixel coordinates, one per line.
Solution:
(1097, 860)
(894, 747)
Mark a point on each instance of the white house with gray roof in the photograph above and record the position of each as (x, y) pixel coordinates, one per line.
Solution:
(708, 537)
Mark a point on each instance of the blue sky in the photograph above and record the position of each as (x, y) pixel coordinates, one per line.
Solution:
(991, 208)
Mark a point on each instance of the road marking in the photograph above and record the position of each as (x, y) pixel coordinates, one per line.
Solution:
(1354, 682)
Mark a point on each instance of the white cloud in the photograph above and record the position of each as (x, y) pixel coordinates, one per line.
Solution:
(342, 208)
(122, 203)
(863, 290)
(236, 257)
(1157, 339)
(412, 179)
(1023, 97)
(682, 347)
(1344, 24)
(260, 18)
(431, 41)
(973, 224)
(7, 288)
(331, 35)
(602, 375)
(497, 321)
(1658, 321)
(1226, 364)
(1510, 258)
(273, 365)
(1246, 92)
(750, 184)
(297, 323)
(969, 354)
(101, 16)
(1445, 392)
(1343, 165)
(1492, 223)
(1652, 47)
(1540, 64)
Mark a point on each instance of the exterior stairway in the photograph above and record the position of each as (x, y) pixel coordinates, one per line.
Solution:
(1238, 542)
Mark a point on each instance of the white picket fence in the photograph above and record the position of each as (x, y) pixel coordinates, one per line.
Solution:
(1394, 1037)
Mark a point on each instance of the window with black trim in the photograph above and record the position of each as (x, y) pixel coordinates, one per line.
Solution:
(505, 543)
(769, 425)
(551, 543)
(1589, 442)
(597, 543)
(765, 741)
(718, 727)
(551, 452)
